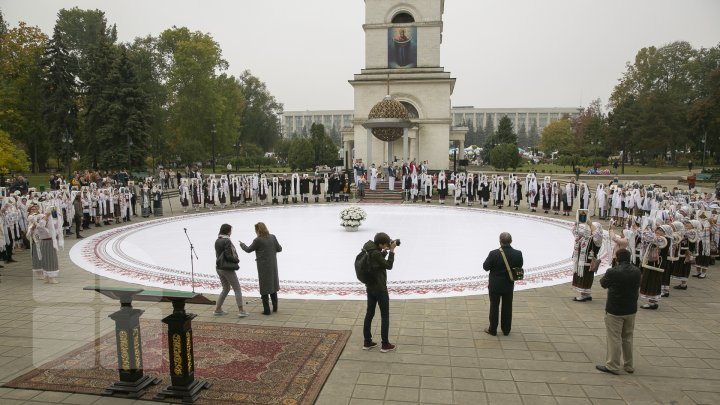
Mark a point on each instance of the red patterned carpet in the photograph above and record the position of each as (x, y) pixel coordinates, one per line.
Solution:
(245, 364)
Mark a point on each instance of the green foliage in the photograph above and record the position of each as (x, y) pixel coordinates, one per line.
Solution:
(505, 155)
(300, 154)
(260, 118)
(324, 149)
(557, 137)
(505, 133)
(12, 158)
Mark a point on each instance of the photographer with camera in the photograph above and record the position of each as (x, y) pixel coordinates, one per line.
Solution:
(381, 251)
(500, 263)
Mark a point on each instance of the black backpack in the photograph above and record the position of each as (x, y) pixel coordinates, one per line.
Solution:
(362, 267)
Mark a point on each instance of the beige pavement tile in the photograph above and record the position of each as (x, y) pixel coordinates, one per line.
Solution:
(407, 381)
(469, 398)
(505, 399)
(433, 396)
(501, 386)
(369, 391)
(402, 394)
(567, 390)
(373, 379)
(528, 388)
(538, 400)
(600, 391)
(468, 384)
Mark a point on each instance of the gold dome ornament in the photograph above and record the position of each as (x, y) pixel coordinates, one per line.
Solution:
(388, 108)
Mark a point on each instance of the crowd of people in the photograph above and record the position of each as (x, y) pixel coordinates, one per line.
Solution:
(40, 221)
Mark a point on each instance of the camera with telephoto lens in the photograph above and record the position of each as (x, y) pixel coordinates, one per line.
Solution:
(397, 242)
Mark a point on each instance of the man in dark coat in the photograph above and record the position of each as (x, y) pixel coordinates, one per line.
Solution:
(501, 284)
(377, 293)
(623, 284)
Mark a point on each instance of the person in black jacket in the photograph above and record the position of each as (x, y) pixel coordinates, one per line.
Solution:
(623, 284)
(501, 284)
(377, 293)
(226, 265)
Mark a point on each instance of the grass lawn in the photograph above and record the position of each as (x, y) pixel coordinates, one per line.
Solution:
(551, 168)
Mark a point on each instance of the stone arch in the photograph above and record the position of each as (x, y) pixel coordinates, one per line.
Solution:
(413, 102)
(405, 10)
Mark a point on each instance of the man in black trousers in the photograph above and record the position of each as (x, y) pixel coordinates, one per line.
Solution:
(623, 284)
(501, 284)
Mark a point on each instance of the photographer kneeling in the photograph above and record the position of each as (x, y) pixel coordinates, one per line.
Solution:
(377, 293)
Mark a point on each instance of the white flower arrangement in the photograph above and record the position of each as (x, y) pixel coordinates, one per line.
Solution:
(352, 216)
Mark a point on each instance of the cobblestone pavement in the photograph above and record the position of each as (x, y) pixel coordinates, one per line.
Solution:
(443, 356)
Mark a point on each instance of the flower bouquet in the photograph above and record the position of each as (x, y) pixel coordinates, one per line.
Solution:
(352, 218)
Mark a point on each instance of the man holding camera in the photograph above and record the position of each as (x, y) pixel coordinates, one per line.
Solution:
(501, 283)
(377, 294)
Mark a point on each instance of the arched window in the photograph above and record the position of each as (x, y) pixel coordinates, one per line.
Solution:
(411, 110)
(403, 18)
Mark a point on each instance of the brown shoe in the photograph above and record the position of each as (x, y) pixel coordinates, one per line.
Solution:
(387, 347)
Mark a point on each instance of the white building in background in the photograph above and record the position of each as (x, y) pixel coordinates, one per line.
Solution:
(294, 122)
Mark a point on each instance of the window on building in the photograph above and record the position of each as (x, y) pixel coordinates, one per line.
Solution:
(411, 110)
(403, 18)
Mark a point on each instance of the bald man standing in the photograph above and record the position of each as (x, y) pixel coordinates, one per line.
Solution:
(501, 283)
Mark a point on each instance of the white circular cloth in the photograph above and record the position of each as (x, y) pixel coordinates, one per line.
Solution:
(442, 251)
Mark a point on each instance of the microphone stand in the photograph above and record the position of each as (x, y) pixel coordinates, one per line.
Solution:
(192, 253)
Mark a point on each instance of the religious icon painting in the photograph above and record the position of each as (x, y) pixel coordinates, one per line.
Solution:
(402, 47)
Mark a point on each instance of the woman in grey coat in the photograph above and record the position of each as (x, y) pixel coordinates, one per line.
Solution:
(266, 248)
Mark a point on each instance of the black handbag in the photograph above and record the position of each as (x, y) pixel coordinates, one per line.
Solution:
(515, 273)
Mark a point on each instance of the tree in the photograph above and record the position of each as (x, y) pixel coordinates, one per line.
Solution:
(12, 158)
(522, 137)
(60, 89)
(557, 137)
(21, 89)
(324, 149)
(505, 133)
(533, 135)
(300, 154)
(192, 60)
(505, 155)
(260, 118)
(99, 89)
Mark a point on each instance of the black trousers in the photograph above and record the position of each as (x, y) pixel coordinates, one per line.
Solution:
(381, 299)
(505, 313)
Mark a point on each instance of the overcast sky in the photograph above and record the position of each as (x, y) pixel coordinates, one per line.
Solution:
(504, 53)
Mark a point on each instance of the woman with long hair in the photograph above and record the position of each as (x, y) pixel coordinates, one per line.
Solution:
(226, 265)
(266, 248)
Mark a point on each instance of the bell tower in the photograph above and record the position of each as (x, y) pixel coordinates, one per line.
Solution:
(402, 60)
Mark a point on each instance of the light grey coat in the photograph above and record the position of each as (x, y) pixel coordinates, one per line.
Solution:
(266, 249)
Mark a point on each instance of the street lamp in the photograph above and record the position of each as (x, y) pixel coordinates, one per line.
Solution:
(129, 146)
(704, 141)
(622, 157)
(212, 133)
(237, 150)
(67, 141)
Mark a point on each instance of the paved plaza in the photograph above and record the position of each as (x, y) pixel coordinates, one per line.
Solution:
(443, 355)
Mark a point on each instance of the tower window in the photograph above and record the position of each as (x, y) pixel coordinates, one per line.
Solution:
(412, 111)
(403, 18)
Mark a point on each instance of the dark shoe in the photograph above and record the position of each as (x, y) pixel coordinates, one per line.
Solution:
(79, 237)
(506, 333)
(274, 301)
(369, 345)
(266, 305)
(387, 347)
(583, 299)
(489, 332)
(681, 287)
(606, 370)
(650, 306)
(11, 261)
(696, 275)
(665, 294)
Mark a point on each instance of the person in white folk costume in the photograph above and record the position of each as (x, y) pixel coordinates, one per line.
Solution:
(442, 187)
(546, 194)
(275, 190)
(484, 191)
(515, 192)
(427, 186)
(223, 191)
(295, 187)
(263, 189)
(569, 197)
(493, 189)
(500, 192)
(459, 188)
(532, 192)
(601, 201)
(588, 246)
(584, 196)
(373, 177)
(470, 190)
